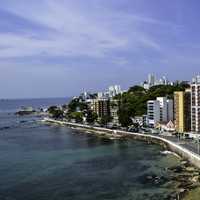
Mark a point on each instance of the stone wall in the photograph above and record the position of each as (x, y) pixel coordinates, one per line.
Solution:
(192, 157)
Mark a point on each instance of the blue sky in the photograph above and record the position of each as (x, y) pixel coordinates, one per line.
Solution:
(51, 48)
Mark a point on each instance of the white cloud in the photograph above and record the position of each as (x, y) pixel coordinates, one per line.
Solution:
(73, 31)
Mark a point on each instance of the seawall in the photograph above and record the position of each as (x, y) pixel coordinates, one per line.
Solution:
(192, 157)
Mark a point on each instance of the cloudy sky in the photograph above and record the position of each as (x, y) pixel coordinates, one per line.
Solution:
(54, 48)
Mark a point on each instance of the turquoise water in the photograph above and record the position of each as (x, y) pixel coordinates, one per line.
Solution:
(42, 162)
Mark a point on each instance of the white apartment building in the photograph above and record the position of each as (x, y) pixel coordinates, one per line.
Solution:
(159, 110)
(153, 112)
(151, 80)
(163, 108)
(114, 90)
(195, 104)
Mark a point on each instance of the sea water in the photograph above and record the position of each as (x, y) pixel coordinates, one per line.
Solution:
(49, 162)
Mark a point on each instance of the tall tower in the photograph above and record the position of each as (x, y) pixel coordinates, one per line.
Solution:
(195, 101)
(163, 108)
(182, 111)
(151, 80)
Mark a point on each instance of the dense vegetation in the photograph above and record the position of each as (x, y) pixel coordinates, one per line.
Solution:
(134, 101)
(76, 105)
(56, 112)
(105, 120)
(91, 117)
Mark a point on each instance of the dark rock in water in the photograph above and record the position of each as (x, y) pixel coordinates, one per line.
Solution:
(185, 184)
(160, 196)
(25, 112)
(146, 178)
(185, 163)
(152, 179)
(191, 169)
(177, 169)
(4, 128)
(173, 196)
(23, 121)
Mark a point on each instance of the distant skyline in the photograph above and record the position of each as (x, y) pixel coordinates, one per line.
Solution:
(58, 48)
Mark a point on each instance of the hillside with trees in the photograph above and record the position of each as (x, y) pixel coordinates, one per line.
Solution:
(134, 101)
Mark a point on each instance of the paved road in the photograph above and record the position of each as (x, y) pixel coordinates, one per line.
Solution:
(191, 145)
(188, 144)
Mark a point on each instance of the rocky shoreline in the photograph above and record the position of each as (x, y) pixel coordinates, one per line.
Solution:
(183, 179)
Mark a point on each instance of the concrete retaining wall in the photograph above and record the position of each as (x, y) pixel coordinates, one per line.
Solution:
(192, 157)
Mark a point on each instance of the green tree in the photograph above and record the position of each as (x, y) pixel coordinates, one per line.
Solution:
(134, 101)
(75, 105)
(124, 114)
(52, 108)
(137, 89)
(91, 117)
(55, 112)
(78, 116)
(105, 120)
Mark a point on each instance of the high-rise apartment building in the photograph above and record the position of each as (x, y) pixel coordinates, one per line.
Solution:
(114, 90)
(151, 80)
(195, 104)
(182, 111)
(163, 108)
(114, 108)
(159, 110)
(101, 107)
(166, 109)
(153, 112)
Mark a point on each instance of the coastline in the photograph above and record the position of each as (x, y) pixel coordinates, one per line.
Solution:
(184, 153)
(186, 176)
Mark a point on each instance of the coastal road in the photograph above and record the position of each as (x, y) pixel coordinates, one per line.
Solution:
(191, 145)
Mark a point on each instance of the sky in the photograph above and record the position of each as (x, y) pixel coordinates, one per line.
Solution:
(58, 48)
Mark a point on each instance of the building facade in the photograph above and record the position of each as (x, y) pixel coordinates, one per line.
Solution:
(153, 112)
(114, 90)
(163, 108)
(170, 110)
(166, 109)
(101, 107)
(195, 105)
(114, 108)
(151, 80)
(159, 110)
(182, 111)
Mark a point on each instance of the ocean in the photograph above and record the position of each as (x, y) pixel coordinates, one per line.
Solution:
(50, 162)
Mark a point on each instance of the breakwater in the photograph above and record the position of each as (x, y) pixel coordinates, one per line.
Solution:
(192, 157)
